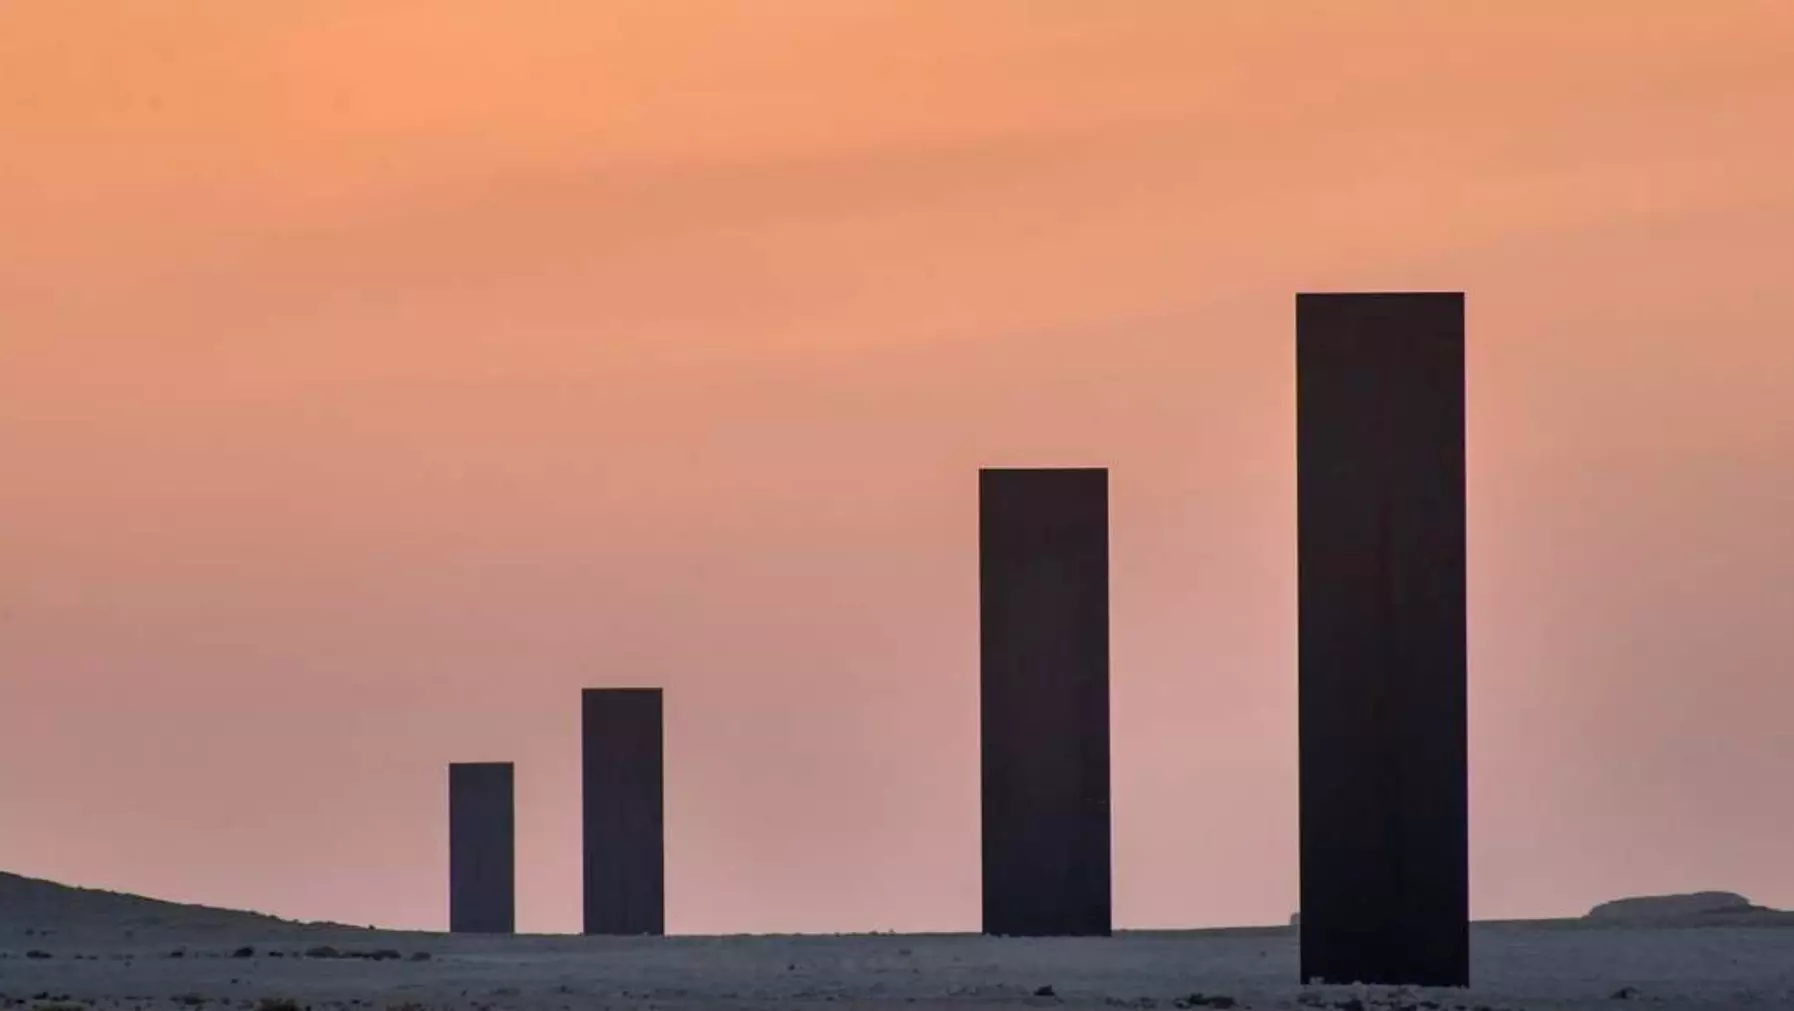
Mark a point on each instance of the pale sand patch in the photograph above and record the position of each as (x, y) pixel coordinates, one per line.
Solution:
(112, 952)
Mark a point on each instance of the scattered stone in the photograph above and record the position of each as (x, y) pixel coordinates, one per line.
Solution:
(322, 951)
(243, 952)
(1624, 993)
(34, 953)
(1045, 991)
(1207, 1000)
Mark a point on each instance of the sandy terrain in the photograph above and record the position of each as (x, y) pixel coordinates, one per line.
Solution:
(105, 951)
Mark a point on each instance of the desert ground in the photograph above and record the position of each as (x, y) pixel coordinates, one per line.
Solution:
(64, 949)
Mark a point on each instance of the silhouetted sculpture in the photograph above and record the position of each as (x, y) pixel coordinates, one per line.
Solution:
(482, 848)
(624, 834)
(1044, 713)
(1380, 461)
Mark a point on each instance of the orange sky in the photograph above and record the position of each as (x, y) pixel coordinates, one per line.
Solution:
(374, 376)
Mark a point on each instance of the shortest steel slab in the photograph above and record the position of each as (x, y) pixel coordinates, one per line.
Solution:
(482, 848)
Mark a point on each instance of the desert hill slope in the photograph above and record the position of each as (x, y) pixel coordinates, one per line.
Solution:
(34, 908)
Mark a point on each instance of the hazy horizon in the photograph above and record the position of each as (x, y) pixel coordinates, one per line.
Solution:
(374, 377)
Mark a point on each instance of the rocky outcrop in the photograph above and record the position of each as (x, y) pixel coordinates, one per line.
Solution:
(1693, 907)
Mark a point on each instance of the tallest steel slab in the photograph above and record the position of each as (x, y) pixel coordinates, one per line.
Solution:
(1044, 700)
(1381, 571)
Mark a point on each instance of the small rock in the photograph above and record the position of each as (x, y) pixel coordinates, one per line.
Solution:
(1045, 991)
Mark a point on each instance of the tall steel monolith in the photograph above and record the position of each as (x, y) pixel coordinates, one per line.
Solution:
(1044, 700)
(1381, 542)
(622, 774)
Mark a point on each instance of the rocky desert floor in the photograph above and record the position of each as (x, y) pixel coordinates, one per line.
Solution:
(71, 950)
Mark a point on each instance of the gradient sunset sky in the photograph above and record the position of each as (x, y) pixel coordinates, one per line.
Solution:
(374, 376)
